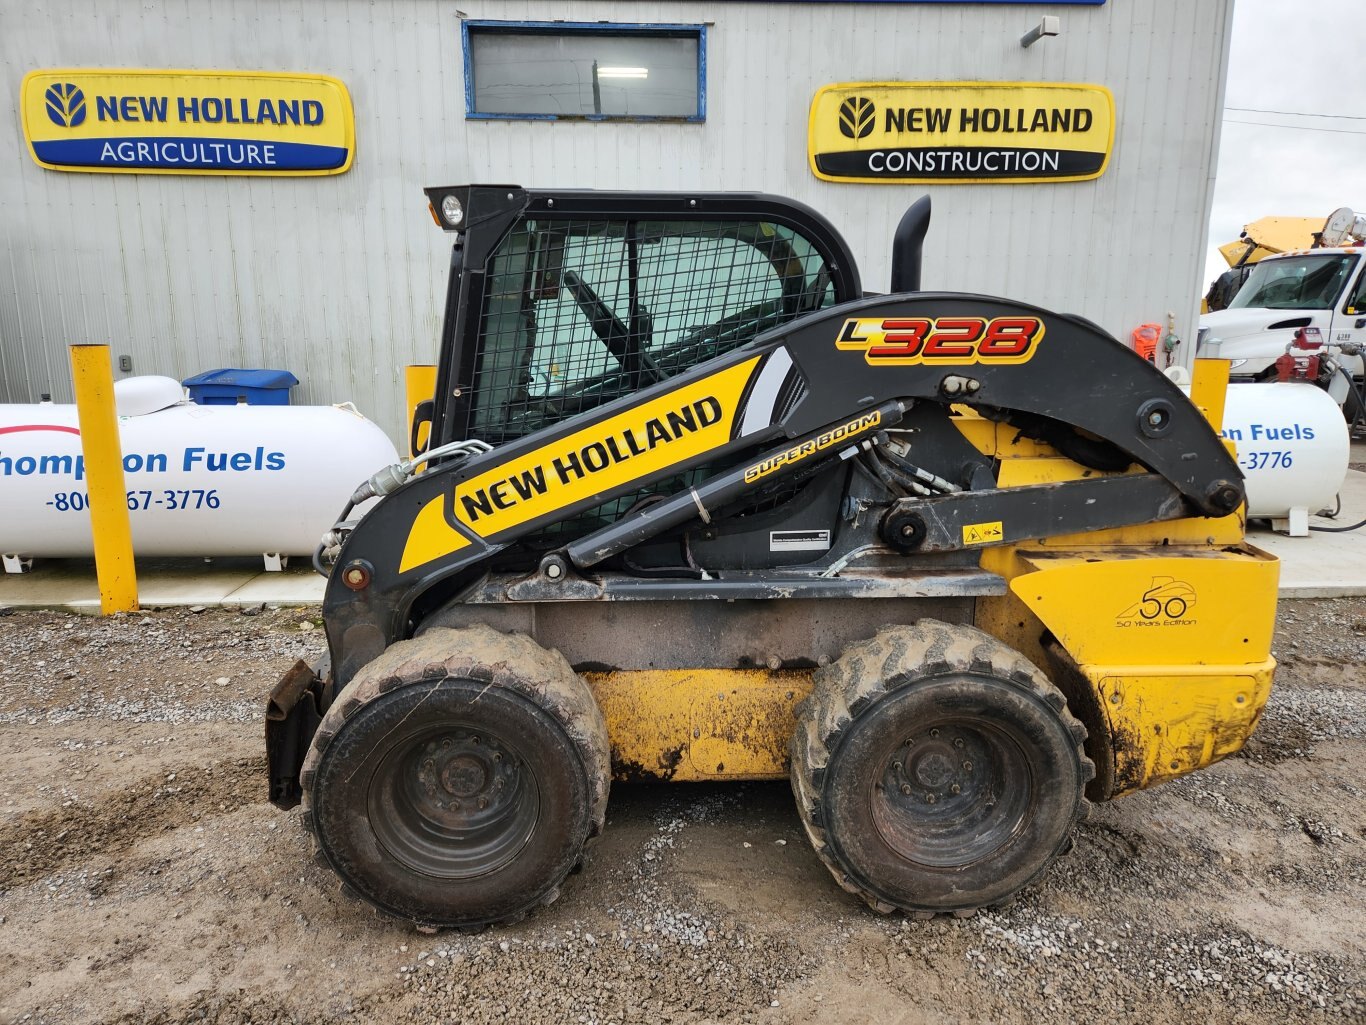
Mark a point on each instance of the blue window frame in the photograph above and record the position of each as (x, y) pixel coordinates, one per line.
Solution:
(584, 71)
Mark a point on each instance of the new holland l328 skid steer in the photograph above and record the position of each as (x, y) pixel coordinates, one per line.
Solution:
(696, 507)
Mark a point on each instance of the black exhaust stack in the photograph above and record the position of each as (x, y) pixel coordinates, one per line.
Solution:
(907, 244)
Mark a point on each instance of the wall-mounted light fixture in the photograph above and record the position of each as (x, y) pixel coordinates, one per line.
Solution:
(1048, 25)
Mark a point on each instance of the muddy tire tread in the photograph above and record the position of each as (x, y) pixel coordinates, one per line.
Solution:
(480, 653)
(873, 668)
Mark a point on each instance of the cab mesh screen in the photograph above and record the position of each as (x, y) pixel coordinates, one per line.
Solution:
(579, 313)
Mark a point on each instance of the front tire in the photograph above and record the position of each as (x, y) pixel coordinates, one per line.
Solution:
(457, 779)
(937, 770)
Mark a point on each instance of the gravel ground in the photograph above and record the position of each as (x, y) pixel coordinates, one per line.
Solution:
(143, 878)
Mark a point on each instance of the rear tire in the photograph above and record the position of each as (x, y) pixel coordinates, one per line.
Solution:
(458, 777)
(937, 770)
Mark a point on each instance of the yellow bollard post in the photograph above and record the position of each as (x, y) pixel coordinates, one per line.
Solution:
(1209, 389)
(93, 376)
(419, 386)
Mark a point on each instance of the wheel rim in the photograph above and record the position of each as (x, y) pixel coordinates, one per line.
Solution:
(952, 794)
(453, 801)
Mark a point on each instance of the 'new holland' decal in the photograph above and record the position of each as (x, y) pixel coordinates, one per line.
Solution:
(665, 432)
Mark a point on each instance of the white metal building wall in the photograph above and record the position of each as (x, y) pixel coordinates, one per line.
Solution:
(341, 279)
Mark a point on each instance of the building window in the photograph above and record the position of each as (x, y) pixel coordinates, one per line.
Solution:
(585, 71)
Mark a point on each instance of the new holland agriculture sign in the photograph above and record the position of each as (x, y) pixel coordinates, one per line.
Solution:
(960, 132)
(188, 122)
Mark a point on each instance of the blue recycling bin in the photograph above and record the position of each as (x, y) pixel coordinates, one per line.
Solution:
(227, 387)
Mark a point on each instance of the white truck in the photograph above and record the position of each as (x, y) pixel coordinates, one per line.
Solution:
(1323, 287)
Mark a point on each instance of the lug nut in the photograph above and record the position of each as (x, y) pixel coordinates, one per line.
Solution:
(934, 732)
(967, 766)
(906, 789)
(483, 803)
(957, 741)
(929, 798)
(956, 789)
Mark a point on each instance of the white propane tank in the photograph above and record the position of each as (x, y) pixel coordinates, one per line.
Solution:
(200, 480)
(1293, 448)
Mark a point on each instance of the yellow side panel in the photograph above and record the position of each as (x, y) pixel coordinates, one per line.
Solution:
(1174, 643)
(431, 536)
(1142, 607)
(700, 724)
(1167, 724)
(1004, 616)
(996, 439)
(981, 434)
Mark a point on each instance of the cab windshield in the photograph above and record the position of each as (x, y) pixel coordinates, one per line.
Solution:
(1311, 282)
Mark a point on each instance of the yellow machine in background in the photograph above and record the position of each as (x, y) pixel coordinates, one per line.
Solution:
(1268, 236)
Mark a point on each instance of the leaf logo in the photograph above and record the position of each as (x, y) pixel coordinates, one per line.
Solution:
(857, 115)
(65, 104)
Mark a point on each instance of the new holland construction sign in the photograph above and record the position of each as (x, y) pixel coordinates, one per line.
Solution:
(998, 132)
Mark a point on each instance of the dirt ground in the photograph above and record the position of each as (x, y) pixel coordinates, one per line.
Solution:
(143, 877)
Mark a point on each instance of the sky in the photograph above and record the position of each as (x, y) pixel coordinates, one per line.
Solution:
(1301, 57)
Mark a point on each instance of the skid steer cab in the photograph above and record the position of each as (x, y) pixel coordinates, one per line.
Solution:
(695, 507)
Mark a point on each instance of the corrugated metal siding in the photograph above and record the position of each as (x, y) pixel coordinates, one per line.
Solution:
(341, 279)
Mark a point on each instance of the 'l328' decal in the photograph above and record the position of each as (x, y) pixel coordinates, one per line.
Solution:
(943, 340)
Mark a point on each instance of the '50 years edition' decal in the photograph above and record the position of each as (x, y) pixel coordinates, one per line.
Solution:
(898, 341)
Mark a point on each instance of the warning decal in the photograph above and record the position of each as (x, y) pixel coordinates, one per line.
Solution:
(983, 533)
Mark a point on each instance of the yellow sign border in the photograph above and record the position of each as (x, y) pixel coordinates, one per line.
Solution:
(347, 107)
(811, 125)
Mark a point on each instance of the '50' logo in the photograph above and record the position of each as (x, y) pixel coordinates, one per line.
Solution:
(944, 340)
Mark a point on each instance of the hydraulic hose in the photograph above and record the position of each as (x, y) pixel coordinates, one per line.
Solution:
(905, 479)
(323, 545)
(1357, 394)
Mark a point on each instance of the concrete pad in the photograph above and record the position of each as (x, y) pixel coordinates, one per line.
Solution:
(162, 583)
(291, 586)
(1324, 565)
